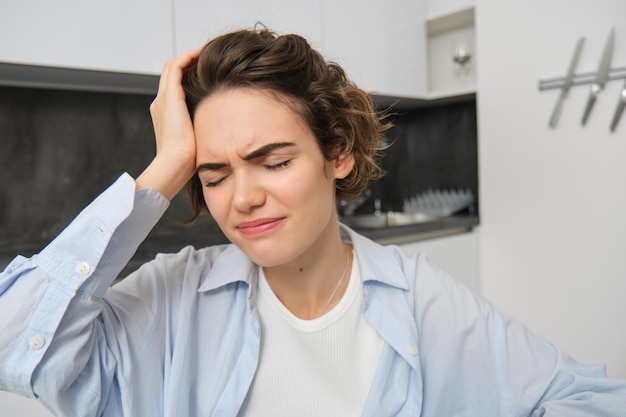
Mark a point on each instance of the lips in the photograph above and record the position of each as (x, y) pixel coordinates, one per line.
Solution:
(259, 226)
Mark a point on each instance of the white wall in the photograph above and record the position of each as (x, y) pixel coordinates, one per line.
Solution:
(456, 254)
(553, 202)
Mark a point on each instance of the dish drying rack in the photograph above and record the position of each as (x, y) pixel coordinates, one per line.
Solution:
(439, 202)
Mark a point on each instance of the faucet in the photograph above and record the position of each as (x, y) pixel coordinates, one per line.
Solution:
(377, 206)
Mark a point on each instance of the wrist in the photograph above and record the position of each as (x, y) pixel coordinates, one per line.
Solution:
(165, 176)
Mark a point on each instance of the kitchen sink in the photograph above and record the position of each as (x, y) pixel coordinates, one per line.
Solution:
(387, 219)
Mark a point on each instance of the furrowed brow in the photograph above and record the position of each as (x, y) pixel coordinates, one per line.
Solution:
(257, 153)
(210, 166)
(264, 150)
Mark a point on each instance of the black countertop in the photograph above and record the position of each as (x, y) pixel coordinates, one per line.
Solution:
(421, 231)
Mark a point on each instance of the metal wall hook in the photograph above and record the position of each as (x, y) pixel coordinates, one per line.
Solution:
(597, 80)
(580, 79)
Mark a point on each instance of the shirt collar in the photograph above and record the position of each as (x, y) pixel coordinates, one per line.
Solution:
(376, 264)
(231, 265)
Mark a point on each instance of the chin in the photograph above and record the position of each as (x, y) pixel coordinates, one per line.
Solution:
(268, 255)
(276, 258)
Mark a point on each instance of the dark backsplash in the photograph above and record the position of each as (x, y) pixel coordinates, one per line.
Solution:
(432, 148)
(60, 149)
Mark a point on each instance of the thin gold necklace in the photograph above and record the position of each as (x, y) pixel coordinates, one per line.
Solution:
(343, 274)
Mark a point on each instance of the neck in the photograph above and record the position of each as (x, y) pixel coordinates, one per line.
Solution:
(312, 284)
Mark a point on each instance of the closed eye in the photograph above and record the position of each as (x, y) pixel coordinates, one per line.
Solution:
(276, 167)
(211, 184)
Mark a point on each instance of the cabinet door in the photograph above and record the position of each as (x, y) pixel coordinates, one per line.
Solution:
(197, 21)
(457, 255)
(380, 43)
(113, 35)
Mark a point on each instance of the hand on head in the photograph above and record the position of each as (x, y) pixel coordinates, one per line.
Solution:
(174, 163)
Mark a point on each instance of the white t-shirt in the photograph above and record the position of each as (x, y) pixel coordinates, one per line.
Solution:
(319, 367)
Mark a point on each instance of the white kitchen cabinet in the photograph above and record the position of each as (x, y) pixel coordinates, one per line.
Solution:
(381, 44)
(455, 254)
(382, 47)
(198, 21)
(115, 35)
(388, 48)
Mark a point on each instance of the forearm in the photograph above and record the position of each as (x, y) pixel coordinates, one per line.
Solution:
(165, 176)
(579, 390)
(175, 161)
(52, 304)
(493, 365)
(81, 262)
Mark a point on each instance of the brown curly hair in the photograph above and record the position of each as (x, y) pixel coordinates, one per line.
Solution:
(340, 115)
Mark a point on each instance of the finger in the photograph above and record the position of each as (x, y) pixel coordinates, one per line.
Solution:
(163, 77)
(177, 66)
(174, 68)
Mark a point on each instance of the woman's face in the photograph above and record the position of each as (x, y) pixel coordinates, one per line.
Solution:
(265, 180)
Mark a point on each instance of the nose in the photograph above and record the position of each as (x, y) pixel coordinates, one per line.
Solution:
(248, 192)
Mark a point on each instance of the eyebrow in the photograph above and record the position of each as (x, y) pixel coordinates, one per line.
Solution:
(257, 153)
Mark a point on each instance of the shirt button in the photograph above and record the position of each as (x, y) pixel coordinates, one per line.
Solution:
(366, 291)
(36, 342)
(83, 268)
(413, 350)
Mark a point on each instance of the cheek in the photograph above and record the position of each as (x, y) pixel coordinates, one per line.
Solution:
(215, 204)
(310, 186)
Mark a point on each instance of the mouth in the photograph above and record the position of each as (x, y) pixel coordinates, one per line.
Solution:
(258, 227)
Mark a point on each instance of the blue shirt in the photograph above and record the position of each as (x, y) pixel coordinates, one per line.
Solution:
(181, 335)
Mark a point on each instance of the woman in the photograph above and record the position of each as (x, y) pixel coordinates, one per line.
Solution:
(300, 315)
